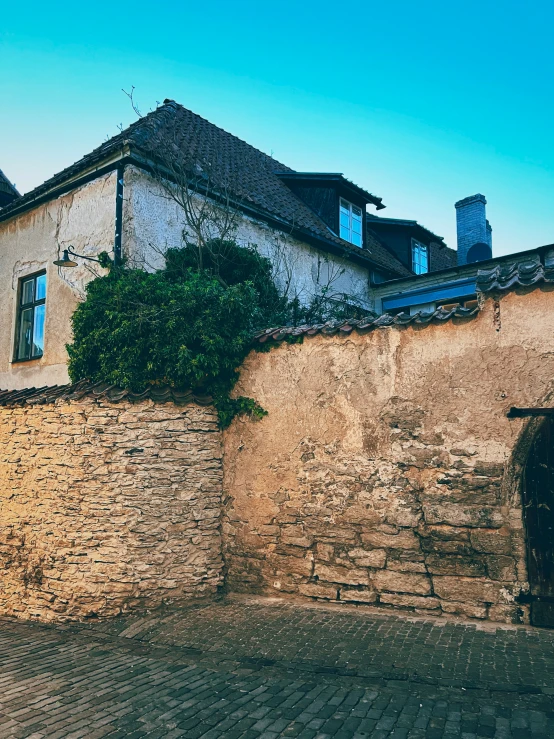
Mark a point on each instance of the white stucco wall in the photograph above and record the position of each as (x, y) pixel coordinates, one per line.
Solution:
(153, 222)
(29, 243)
(85, 219)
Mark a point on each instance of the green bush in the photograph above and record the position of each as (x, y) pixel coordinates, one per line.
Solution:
(189, 325)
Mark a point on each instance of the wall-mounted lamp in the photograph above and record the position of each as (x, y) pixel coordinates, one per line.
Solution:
(65, 261)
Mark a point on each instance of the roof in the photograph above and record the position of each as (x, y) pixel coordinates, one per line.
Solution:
(384, 256)
(403, 222)
(332, 177)
(97, 391)
(363, 325)
(441, 256)
(509, 276)
(530, 271)
(7, 187)
(174, 133)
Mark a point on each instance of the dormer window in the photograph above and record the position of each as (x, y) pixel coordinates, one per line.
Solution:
(350, 223)
(420, 258)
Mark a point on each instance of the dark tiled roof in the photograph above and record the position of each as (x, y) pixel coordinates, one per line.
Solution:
(323, 178)
(99, 391)
(384, 257)
(442, 257)
(403, 222)
(6, 186)
(524, 273)
(363, 325)
(185, 138)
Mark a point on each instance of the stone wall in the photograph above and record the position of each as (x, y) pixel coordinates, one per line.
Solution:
(107, 507)
(386, 471)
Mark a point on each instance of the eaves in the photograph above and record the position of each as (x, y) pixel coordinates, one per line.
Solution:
(127, 155)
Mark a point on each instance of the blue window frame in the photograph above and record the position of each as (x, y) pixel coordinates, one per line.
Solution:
(351, 223)
(420, 258)
(29, 335)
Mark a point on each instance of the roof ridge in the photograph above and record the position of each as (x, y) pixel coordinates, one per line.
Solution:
(173, 103)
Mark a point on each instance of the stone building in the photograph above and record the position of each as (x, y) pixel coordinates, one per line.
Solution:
(405, 461)
(115, 199)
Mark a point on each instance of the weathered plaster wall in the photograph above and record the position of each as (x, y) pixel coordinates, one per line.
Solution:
(85, 219)
(154, 223)
(384, 472)
(106, 507)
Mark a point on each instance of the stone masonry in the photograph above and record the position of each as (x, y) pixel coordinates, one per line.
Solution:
(386, 471)
(107, 507)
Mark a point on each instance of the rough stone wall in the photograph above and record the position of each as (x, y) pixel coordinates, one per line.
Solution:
(387, 471)
(105, 507)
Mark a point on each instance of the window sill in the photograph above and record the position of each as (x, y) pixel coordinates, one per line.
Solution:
(32, 359)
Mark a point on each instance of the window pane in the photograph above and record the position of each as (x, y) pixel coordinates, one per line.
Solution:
(344, 220)
(356, 239)
(24, 339)
(41, 288)
(357, 211)
(345, 205)
(38, 331)
(356, 226)
(27, 292)
(344, 233)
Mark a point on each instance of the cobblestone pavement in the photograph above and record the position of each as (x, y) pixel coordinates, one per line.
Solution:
(253, 667)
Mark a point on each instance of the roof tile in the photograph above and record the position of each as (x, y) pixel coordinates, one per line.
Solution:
(251, 174)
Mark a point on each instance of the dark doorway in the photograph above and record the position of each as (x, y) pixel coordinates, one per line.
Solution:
(538, 516)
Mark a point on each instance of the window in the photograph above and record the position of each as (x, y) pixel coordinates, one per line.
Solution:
(29, 337)
(420, 258)
(351, 223)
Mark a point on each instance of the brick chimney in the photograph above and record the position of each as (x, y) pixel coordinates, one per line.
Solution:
(474, 231)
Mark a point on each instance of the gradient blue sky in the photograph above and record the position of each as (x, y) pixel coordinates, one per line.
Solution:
(421, 103)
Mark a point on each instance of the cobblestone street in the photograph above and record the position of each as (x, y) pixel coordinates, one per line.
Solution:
(253, 667)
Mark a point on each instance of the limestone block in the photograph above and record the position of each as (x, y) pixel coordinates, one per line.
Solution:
(324, 551)
(401, 582)
(467, 590)
(360, 514)
(509, 614)
(493, 541)
(410, 601)
(343, 575)
(404, 539)
(446, 564)
(466, 610)
(296, 565)
(358, 596)
(314, 590)
(403, 563)
(501, 568)
(368, 558)
(458, 515)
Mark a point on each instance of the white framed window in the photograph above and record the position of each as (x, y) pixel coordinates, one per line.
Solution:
(420, 258)
(351, 223)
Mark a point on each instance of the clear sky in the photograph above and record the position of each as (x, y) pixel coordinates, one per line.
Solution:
(422, 103)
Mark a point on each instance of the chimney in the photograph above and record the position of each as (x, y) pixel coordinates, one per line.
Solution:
(474, 231)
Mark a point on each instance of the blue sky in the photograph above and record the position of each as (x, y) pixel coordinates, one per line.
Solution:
(421, 103)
